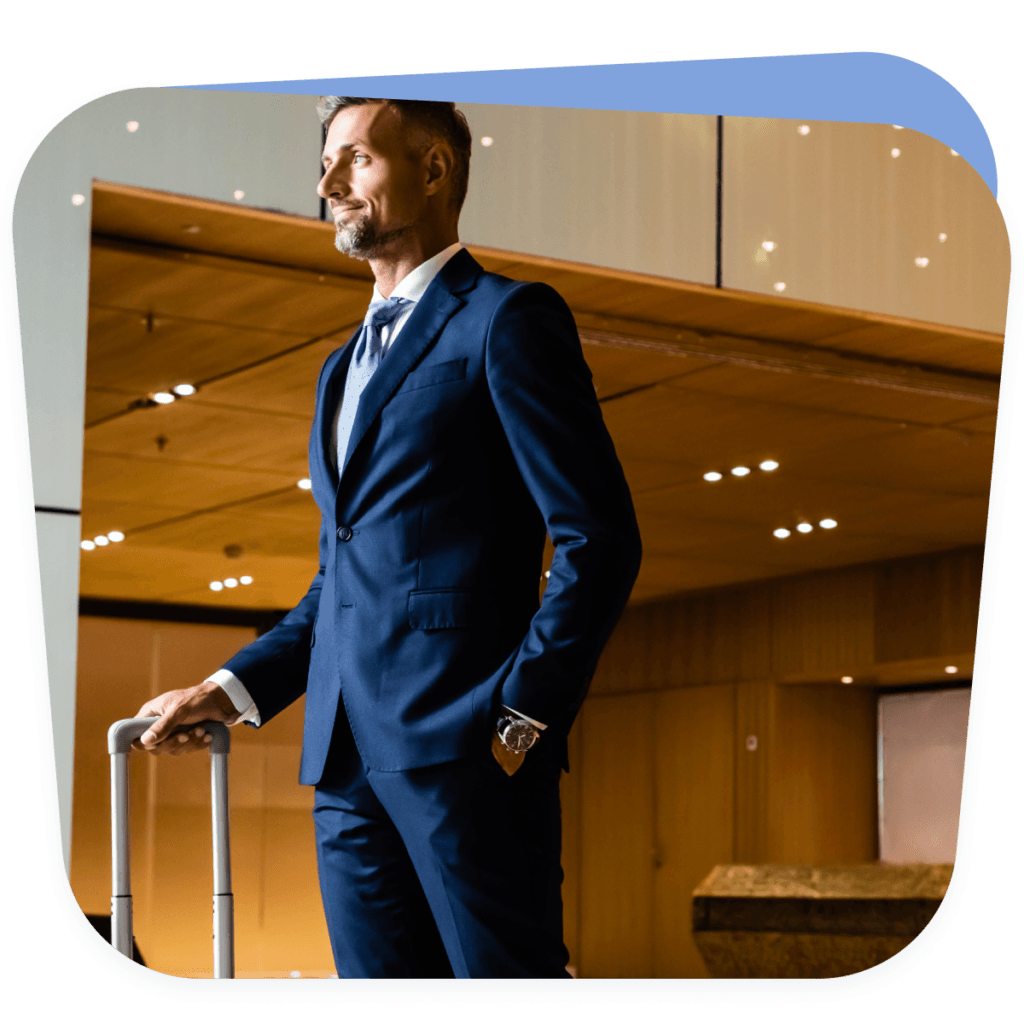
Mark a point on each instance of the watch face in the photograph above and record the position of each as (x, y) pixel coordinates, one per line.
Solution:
(519, 736)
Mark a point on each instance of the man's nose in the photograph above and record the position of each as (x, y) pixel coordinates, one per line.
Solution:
(332, 184)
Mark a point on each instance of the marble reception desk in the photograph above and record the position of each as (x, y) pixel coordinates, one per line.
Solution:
(785, 921)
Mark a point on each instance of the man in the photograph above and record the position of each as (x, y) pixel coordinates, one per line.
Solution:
(457, 427)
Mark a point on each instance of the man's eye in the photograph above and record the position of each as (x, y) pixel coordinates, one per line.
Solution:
(358, 157)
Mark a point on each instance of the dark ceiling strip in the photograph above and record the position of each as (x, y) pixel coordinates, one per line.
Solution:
(59, 511)
(719, 127)
(207, 511)
(972, 387)
(156, 611)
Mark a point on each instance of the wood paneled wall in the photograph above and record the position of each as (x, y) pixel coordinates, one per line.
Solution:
(279, 923)
(717, 730)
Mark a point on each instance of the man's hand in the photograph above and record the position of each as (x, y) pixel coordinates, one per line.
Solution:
(180, 708)
(509, 760)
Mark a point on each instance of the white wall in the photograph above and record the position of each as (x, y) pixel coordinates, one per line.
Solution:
(922, 739)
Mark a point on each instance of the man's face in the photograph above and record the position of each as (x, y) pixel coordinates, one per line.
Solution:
(373, 180)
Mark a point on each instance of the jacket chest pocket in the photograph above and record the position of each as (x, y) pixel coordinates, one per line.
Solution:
(428, 376)
(440, 609)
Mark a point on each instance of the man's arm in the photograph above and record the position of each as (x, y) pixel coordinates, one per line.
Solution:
(542, 390)
(273, 669)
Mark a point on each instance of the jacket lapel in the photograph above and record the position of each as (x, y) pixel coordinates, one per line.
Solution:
(420, 331)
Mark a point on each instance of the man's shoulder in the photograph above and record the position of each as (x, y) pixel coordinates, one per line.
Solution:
(496, 289)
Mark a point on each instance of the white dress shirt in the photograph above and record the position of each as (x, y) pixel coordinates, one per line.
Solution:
(411, 287)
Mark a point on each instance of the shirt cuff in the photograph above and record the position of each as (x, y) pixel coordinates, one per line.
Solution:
(525, 718)
(232, 686)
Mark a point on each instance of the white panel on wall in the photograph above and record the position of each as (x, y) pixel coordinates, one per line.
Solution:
(630, 191)
(922, 739)
(58, 538)
(915, 234)
(206, 144)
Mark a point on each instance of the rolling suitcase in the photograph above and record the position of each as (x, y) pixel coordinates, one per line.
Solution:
(119, 742)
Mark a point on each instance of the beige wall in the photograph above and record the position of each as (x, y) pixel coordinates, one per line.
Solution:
(278, 919)
(849, 220)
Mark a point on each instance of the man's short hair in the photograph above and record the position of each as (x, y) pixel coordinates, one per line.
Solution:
(437, 120)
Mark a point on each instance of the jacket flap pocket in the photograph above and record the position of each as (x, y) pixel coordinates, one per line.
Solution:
(440, 609)
(439, 373)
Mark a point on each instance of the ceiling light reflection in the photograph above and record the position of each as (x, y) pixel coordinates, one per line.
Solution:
(804, 527)
(305, 484)
(101, 541)
(768, 465)
(184, 390)
(739, 470)
(245, 580)
(828, 524)
(780, 286)
(87, 545)
(804, 129)
(921, 261)
(781, 533)
(216, 585)
(116, 536)
(163, 398)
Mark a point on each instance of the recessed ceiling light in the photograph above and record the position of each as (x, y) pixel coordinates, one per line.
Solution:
(828, 524)
(216, 585)
(547, 574)
(163, 398)
(184, 390)
(487, 141)
(804, 129)
(305, 484)
(239, 194)
(712, 477)
(779, 286)
(87, 545)
(768, 246)
(739, 470)
(115, 536)
(951, 669)
(768, 465)
(78, 199)
(894, 152)
(804, 527)
(943, 236)
(921, 261)
(132, 126)
(245, 580)
(846, 679)
(898, 127)
(231, 582)
(781, 533)
(953, 152)
(101, 541)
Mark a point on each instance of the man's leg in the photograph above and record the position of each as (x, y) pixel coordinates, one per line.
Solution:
(486, 847)
(378, 919)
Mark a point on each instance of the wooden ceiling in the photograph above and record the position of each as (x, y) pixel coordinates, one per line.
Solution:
(885, 425)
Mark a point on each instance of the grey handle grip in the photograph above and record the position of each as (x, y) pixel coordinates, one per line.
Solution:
(119, 741)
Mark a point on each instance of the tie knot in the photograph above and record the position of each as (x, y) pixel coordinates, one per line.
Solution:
(385, 312)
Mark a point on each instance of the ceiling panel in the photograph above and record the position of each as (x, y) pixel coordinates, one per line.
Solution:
(239, 307)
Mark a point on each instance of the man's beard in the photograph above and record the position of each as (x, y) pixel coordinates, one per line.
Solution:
(362, 240)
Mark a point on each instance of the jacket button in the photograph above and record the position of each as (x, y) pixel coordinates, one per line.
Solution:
(344, 533)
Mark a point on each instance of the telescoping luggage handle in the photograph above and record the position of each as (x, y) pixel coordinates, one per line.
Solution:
(119, 742)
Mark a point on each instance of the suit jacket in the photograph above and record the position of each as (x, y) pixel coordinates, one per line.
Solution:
(478, 432)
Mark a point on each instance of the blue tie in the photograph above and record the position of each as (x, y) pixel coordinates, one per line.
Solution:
(365, 359)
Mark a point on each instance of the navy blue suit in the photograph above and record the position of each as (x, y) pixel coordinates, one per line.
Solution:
(479, 432)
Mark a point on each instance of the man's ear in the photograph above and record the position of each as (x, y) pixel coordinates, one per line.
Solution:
(438, 162)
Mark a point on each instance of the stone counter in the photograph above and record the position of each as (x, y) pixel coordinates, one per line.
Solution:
(788, 921)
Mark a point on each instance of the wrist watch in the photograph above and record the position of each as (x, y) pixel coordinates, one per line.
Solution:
(516, 733)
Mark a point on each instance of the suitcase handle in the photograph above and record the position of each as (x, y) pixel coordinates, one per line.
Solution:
(119, 742)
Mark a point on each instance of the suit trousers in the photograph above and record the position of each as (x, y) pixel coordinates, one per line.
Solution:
(452, 870)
